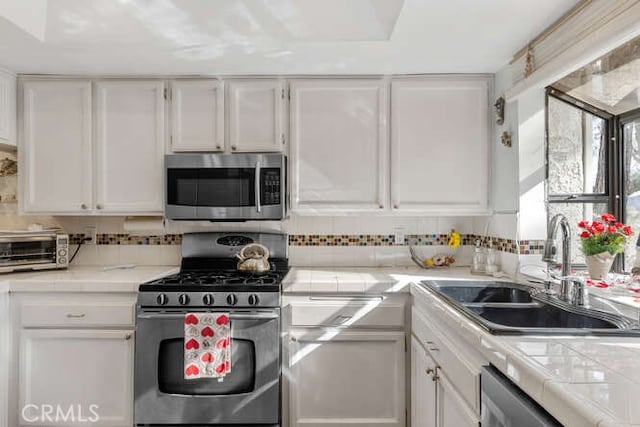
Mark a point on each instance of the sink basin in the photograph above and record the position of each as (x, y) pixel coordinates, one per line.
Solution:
(542, 316)
(514, 308)
(482, 292)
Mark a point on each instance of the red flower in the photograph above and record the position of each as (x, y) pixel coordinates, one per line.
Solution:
(583, 224)
(618, 224)
(585, 234)
(627, 230)
(598, 227)
(608, 218)
(611, 229)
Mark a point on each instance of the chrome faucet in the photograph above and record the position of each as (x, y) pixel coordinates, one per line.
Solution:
(550, 251)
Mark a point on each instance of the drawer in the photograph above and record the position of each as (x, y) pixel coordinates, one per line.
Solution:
(344, 311)
(78, 314)
(449, 357)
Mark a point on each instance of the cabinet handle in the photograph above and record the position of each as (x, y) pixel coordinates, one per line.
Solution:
(429, 342)
(99, 206)
(294, 339)
(233, 147)
(381, 206)
(434, 349)
(218, 147)
(429, 371)
(83, 206)
(75, 316)
(127, 337)
(396, 206)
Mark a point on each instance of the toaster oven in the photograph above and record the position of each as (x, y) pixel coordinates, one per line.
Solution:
(33, 250)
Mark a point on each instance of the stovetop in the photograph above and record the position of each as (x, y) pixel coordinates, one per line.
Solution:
(217, 280)
(209, 279)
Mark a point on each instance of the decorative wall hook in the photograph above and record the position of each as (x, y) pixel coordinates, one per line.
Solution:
(530, 63)
(505, 138)
(499, 110)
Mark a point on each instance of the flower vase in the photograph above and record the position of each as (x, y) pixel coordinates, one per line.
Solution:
(599, 265)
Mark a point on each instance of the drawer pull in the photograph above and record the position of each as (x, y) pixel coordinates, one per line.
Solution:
(75, 316)
(341, 319)
(434, 349)
(127, 337)
(347, 298)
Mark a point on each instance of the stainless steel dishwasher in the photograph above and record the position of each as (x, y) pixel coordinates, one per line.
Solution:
(505, 405)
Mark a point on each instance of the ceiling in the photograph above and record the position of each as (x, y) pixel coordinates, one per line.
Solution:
(268, 36)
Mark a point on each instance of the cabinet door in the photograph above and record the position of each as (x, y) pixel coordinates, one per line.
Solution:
(255, 115)
(423, 387)
(55, 154)
(5, 347)
(130, 145)
(197, 115)
(76, 369)
(338, 145)
(7, 109)
(440, 145)
(452, 409)
(342, 377)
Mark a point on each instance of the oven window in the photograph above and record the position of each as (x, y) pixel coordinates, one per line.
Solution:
(32, 252)
(240, 380)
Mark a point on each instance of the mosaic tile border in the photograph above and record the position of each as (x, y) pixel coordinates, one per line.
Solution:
(526, 247)
(127, 239)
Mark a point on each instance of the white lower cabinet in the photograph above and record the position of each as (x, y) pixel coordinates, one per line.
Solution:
(71, 360)
(74, 375)
(452, 409)
(347, 377)
(423, 387)
(344, 361)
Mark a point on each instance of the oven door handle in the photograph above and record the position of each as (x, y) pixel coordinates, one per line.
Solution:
(257, 187)
(232, 316)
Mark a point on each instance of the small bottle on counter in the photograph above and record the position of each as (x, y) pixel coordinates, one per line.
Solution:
(477, 266)
(490, 266)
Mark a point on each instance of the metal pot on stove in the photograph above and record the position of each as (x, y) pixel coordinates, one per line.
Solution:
(253, 258)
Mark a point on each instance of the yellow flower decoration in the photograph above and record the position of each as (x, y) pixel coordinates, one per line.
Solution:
(454, 239)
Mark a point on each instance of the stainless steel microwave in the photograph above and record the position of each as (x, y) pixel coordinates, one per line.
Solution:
(225, 187)
(33, 250)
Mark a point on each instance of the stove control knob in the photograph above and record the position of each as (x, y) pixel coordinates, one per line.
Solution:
(253, 299)
(232, 299)
(183, 299)
(207, 299)
(162, 299)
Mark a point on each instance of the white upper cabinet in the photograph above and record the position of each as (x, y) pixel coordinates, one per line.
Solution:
(197, 115)
(7, 109)
(255, 109)
(339, 145)
(440, 144)
(129, 146)
(55, 153)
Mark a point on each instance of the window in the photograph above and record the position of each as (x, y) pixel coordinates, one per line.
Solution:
(593, 167)
(579, 163)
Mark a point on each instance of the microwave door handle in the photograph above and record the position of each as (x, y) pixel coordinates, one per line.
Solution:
(257, 187)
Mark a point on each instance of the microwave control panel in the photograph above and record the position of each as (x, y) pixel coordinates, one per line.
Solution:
(270, 189)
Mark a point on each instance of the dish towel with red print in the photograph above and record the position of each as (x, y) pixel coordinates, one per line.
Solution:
(207, 345)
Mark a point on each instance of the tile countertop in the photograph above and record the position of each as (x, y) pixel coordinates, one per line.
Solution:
(582, 381)
(84, 279)
(374, 280)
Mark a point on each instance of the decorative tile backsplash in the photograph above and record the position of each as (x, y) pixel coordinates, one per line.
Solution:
(526, 247)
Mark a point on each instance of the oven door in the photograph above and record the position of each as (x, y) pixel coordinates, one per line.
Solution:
(249, 395)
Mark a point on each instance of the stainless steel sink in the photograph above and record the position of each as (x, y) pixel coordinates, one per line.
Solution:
(483, 292)
(514, 308)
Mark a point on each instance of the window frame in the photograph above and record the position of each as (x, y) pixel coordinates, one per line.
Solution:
(613, 162)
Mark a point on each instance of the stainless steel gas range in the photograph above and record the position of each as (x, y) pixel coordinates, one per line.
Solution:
(208, 282)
